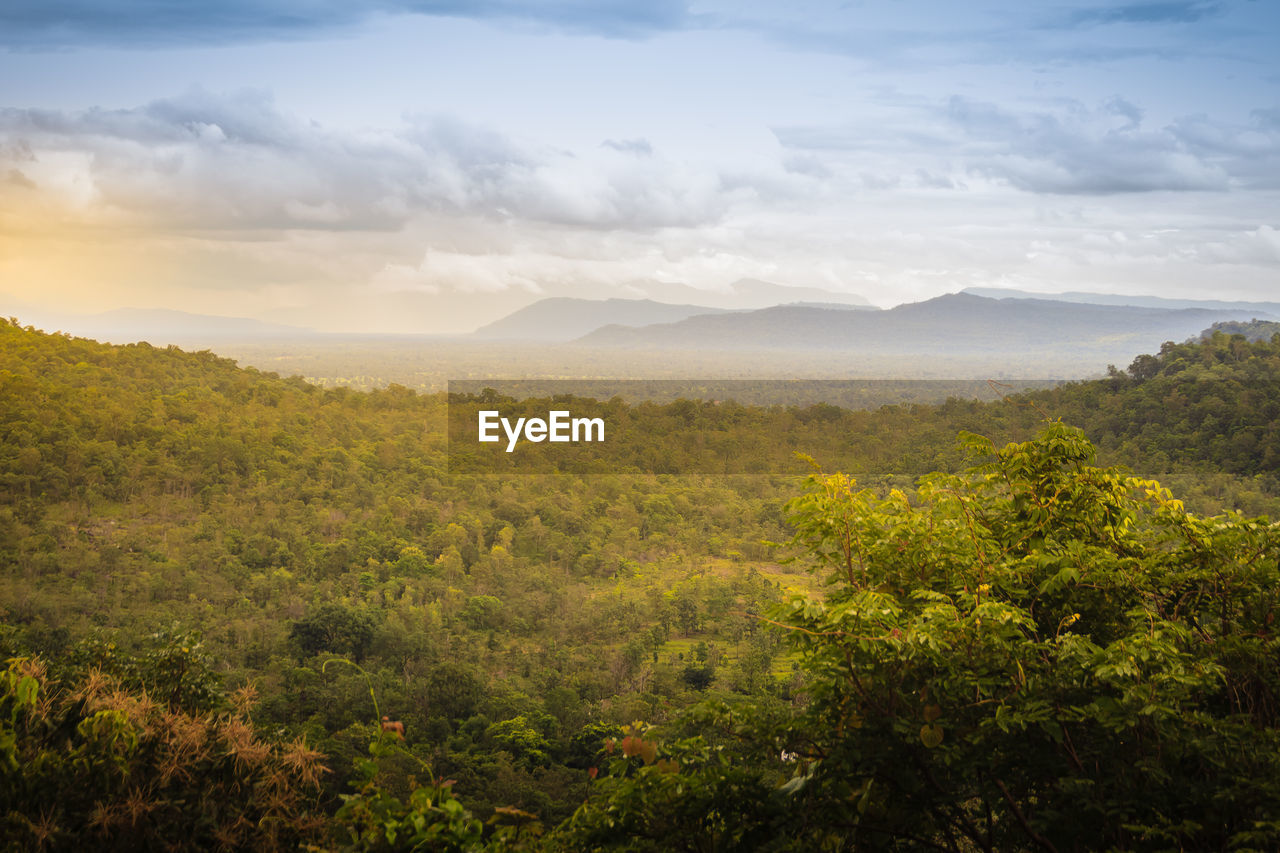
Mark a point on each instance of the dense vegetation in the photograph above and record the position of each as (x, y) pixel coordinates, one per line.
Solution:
(1254, 330)
(514, 625)
(1035, 654)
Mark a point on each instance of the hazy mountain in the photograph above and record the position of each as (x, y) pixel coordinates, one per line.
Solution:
(745, 293)
(563, 318)
(1272, 308)
(956, 324)
(160, 326)
(836, 305)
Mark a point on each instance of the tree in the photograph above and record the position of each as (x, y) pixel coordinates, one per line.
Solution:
(518, 737)
(698, 677)
(88, 762)
(333, 627)
(1037, 654)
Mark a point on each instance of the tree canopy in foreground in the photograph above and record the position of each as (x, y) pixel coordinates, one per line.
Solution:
(1035, 654)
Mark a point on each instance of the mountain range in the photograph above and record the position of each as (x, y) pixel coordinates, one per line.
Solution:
(563, 318)
(976, 322)
(947, 325)
(161, 326)
(1124, 299)
(745, 293)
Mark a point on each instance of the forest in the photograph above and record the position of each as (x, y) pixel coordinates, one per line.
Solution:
(246, 612)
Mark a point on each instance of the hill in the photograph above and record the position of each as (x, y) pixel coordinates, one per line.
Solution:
(956, 324)
(510, 623)
(562, 318)
(1254, 330)
(746, 293)
(1261, 308)
(162, 327)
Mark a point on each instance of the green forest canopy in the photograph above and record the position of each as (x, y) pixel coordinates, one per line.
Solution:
(511, 625)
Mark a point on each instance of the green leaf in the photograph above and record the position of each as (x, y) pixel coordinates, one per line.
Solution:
(28, 687)
(931, 735)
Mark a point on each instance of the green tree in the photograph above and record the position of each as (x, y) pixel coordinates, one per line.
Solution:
(88, 763)
(482, 612)
(518, 737)
(1035, 654)
(336, 628)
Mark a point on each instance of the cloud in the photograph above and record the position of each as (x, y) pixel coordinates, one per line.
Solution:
(1267, 118)
(1260, 247)
(1120, 107)
(460, 272)
(638, 147)
(16, 178)
(928, 180)
(58, 23)
(1174, 12)
(1059, 146)
(951, 38)
(1249, 152)
(613, 18)
(539, 265)
(1079, 150)
(206, 161)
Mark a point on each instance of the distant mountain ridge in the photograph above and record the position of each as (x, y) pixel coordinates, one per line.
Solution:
(959, 323)
(839, 306)
(743, 294)
(160, 326)
(1272, 308)
(564, 318)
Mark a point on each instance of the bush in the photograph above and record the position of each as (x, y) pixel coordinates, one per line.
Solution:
(1035, 654)
(90, 763)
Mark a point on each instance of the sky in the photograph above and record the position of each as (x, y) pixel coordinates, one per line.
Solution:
(430, 165)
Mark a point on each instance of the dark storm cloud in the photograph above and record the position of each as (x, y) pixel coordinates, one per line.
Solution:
(69, 23)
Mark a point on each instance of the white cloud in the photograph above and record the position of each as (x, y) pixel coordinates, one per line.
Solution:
(1059, 146)
(45, 23)
(206, 161)
(1076, 149)
(234, 197)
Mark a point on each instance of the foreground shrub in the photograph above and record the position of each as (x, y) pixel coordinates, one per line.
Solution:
(1037, 654)
(90, 763)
